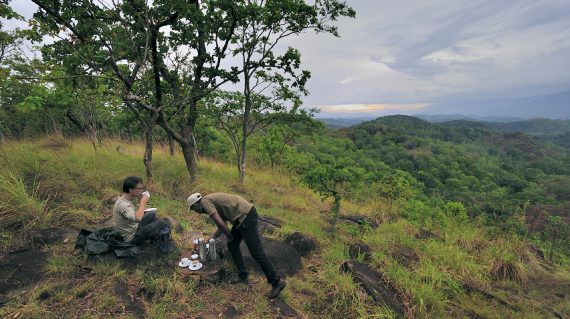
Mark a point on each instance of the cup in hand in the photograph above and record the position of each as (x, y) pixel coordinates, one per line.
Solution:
(150, 210)
(145, 194)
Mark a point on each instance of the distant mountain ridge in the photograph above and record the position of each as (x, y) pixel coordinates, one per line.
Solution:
(461, 131)
(551, 106)
(538, 126)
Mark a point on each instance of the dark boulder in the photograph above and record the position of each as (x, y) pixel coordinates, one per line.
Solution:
(230, 312)
(360, 220)
(285, 311)
(174, 224)
(302, 243)
(266, 224)
(285, 258)
(360, 249)
(379, 289)
(405, 256)
(212, 271)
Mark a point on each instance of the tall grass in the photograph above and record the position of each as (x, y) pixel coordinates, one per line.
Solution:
(21, 207)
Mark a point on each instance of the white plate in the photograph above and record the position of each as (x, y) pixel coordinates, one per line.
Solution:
(195, 266)
(195, 256)
(181, 264)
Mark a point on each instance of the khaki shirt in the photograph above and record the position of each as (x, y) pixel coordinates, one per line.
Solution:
(232, 208)
(124, 220)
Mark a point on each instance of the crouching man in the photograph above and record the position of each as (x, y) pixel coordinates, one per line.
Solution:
(134, 225)
(242, 215)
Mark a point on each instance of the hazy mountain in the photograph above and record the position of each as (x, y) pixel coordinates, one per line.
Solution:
(437, 118)
(335, 123)
(534, 126)
(552, 106)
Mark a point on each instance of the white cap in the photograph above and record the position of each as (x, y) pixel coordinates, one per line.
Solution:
(193, 199)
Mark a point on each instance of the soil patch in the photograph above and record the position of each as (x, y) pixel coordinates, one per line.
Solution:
(133, 306)
(427, 234)
(20, 269)
(55, 235)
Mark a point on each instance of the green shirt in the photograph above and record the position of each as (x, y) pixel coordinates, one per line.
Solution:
(124, 220)
(231, 208)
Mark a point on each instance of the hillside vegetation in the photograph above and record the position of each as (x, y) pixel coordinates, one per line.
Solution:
(461, 269)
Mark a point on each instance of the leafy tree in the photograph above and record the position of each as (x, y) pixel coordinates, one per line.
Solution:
(263, 26)
(9, 44)
(163, 74)
(396, 186)
(274, 142)
(227, 112)
(332, 181)
(557, 233)
(167, 56)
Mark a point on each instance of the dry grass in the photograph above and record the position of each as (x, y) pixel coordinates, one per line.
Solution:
(508, 270)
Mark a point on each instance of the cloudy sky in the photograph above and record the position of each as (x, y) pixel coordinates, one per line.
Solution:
(403, 55)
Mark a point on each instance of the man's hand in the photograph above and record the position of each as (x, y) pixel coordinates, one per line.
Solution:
(222, 228)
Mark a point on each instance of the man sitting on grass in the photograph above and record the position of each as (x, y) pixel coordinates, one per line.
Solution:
(242, 215)
(134, 225)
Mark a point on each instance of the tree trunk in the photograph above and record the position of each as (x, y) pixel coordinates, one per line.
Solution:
(189, 154)
(246, 112)
(242, 162)
(335, 211)
(2, 138)
(56, 130)
(93, 143)
(94, 137)
(170, 145)
(148, 152)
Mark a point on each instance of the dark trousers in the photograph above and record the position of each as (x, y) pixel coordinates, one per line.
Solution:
(149, 227)
(247, 232)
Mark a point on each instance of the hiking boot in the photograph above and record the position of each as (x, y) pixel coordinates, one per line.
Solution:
(277, 287)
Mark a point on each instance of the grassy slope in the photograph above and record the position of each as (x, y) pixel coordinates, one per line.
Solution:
(66, 183)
